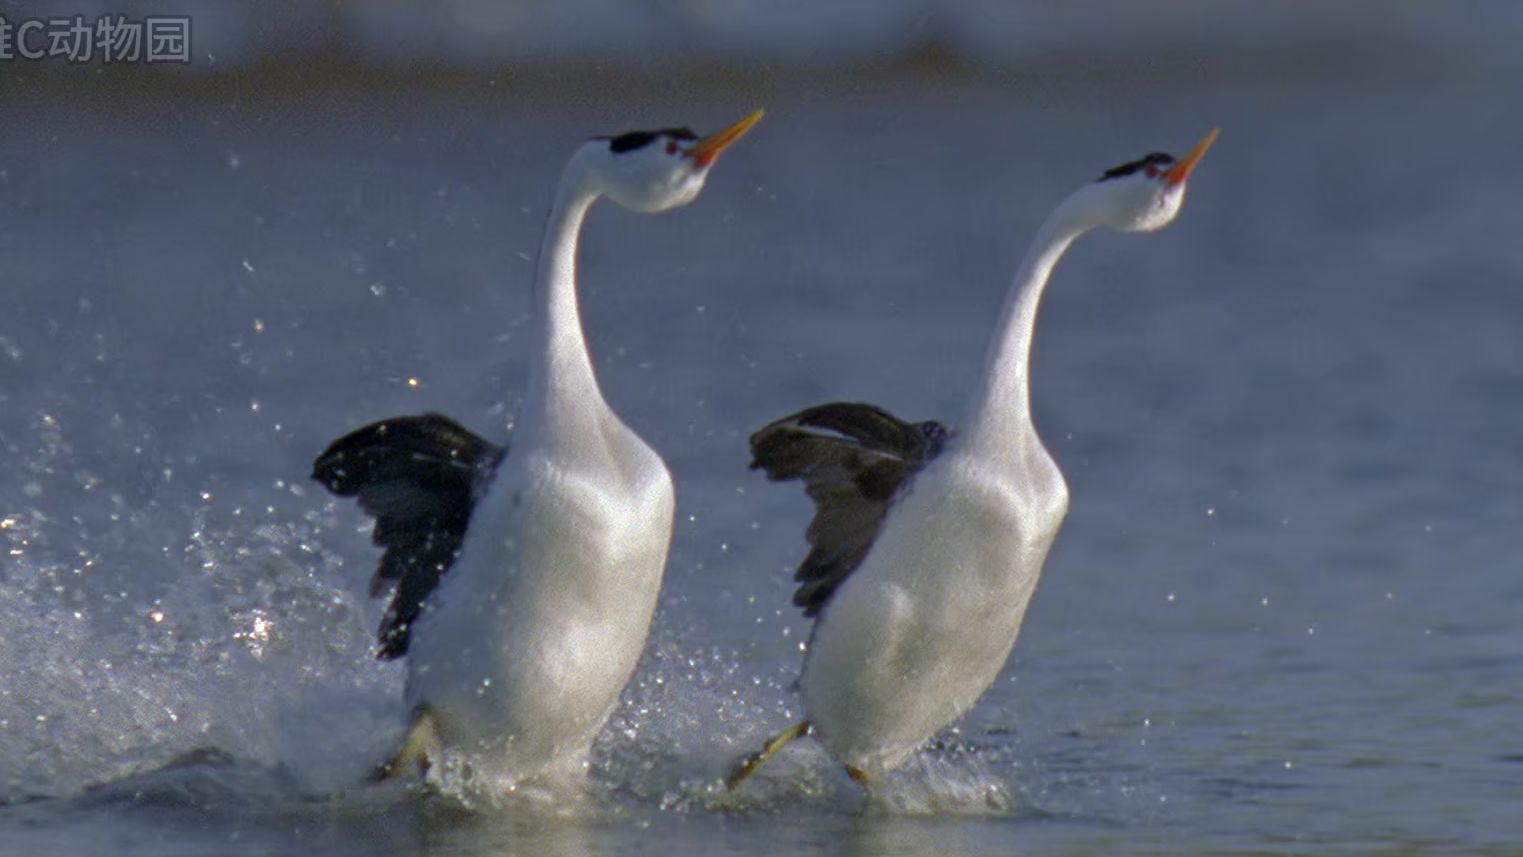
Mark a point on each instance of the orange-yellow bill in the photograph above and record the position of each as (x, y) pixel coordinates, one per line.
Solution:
(705, 151)
(1180, 171)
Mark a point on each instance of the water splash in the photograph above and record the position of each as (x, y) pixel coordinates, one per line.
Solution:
(155, 610)
(143, 623)
(691, 712)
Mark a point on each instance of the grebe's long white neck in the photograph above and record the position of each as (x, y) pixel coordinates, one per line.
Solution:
(643, 171)
(1139, 196)
(562, 381)
(1001, 412)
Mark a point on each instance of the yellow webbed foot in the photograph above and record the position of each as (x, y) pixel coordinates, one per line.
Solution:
(859, 777)
(417, 752)
(748, 765)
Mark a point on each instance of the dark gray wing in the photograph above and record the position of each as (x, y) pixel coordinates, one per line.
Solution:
(853, 459)
(419, 477)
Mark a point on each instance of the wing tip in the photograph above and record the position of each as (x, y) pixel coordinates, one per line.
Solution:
(854, 458)
(416, 476)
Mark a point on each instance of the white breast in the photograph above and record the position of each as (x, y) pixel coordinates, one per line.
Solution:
(524, 649)
(922, 628)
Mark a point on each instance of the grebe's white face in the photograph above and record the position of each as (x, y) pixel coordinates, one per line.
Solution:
(649, 171)
(1145, 194)
(1138, 197)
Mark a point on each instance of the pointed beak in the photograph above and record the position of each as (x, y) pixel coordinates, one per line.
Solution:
(706, 151)
(1176, 174)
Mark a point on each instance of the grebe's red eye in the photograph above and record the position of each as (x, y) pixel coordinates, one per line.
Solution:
(671, 147)
(1152, 172)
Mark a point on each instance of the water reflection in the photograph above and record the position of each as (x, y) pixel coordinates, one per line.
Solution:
(445, 831)
(877, 834)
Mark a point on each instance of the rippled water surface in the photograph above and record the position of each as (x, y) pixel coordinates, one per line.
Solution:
(1282, 616)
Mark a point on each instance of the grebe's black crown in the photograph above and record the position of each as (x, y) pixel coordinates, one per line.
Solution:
(632, 140)
(1154, 160)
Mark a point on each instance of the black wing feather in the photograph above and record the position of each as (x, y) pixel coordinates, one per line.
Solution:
(854, 459)
(419, 477)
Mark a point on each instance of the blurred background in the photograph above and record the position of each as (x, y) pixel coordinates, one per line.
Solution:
(1281, 617)
(761, 36)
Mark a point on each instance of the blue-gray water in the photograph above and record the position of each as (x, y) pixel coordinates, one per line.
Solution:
(1282, 616)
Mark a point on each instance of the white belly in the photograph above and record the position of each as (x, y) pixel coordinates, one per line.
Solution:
(524, 649)
(924, 626)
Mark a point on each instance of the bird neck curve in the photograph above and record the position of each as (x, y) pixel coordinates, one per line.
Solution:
(562, 382)
(1001, 414)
